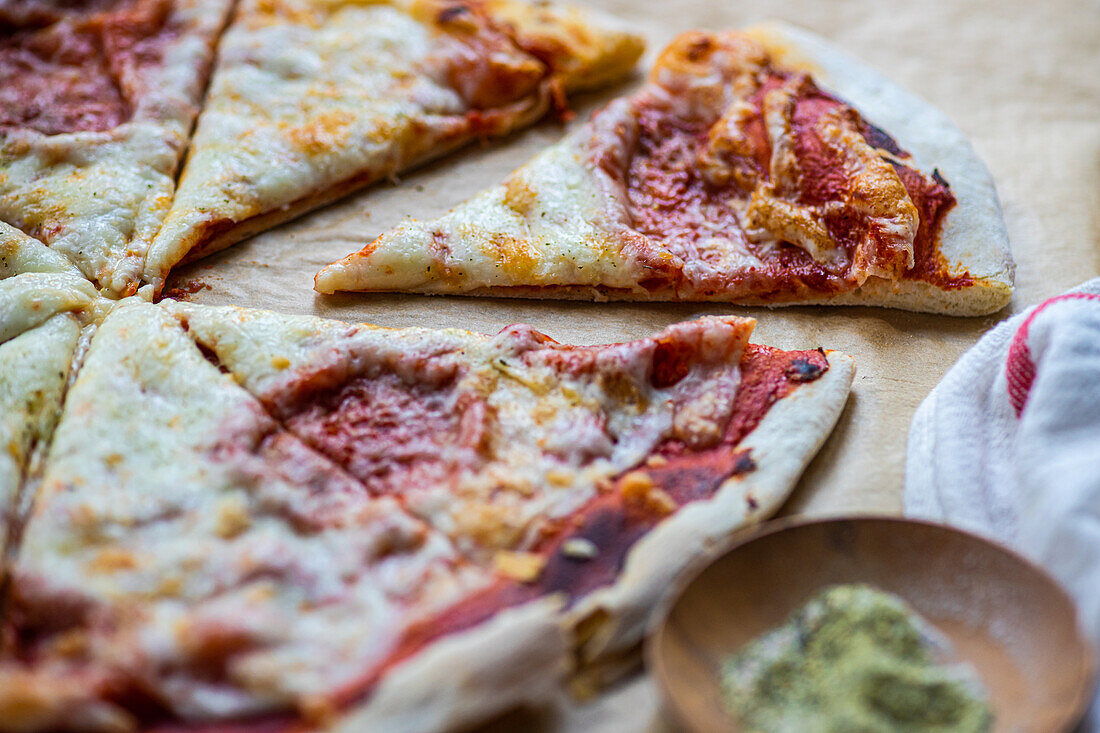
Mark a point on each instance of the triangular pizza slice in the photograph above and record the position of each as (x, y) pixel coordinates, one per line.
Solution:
(761, 167)
(560, 465)
(44, 304)
(96, 103)
(312, 99)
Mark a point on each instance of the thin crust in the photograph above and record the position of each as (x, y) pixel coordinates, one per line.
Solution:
(519, 656)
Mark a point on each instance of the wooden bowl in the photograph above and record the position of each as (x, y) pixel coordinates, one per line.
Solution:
(1003, 615)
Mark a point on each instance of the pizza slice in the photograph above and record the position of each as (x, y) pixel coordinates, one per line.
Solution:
(313, 99)
(47, 315)
(238, 525)
(761, 167)
(96, 103)
(563, 467)
(46, 311)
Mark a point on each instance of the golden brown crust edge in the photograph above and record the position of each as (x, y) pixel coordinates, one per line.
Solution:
(982, 298)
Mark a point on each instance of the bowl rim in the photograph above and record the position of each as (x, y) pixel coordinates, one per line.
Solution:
(658, 621)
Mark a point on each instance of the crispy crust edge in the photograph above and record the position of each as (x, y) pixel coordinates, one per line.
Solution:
(984, 297)
(519, 656)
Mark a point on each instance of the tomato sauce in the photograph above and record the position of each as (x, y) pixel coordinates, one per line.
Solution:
(610, 522)
(678, 209)
(81, 71)
(613, 523)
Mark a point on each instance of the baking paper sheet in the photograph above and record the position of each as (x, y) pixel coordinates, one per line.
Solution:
(1022, 79)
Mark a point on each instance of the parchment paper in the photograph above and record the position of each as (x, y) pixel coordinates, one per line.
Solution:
(1022, 79)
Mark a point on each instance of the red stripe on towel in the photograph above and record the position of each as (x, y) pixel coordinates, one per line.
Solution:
(1019, 368)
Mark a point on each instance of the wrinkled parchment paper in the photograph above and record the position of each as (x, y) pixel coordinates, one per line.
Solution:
(1022, 79)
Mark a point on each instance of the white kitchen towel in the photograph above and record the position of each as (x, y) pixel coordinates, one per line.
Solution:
(1008, 444)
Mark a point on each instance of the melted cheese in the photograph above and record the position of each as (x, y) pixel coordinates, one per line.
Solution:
(37, 283)
(181, 524)
(554, 221)
(312, 98)
(99, 197)
(552, 423)
(34, 368)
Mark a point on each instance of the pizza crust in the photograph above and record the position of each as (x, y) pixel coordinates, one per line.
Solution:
(610, 621)
(986, 296)
(519, 656)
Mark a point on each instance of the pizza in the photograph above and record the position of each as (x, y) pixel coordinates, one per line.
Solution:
(97, 99)
(253, 522)
(757, 167)
(312, 99)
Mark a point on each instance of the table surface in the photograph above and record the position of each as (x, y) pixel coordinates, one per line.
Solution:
(1022, 79)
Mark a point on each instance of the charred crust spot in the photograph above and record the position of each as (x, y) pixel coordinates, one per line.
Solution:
(451, 13)
(804, 370)
(938, 178)
(745, 464)
(751, 500)
(879, 138)
(699, 48)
